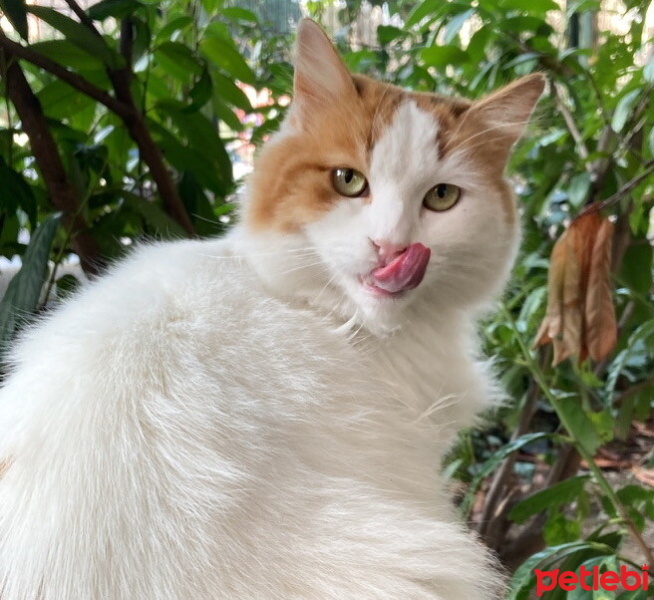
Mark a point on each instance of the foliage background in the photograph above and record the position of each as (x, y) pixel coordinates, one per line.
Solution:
(125, 121)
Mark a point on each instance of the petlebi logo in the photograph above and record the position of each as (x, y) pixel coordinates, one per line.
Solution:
(548, 581)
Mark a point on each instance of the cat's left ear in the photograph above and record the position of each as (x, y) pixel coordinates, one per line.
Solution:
(321, 78)
(505, 113)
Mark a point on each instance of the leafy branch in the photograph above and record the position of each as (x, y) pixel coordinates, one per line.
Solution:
(123, 105)
(63, 194)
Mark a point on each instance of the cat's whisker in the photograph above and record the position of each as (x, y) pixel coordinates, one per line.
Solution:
(307, 266)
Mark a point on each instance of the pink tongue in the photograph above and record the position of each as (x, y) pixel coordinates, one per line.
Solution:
(405, 272)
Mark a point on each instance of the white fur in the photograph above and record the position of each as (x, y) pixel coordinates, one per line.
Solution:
(238, 419)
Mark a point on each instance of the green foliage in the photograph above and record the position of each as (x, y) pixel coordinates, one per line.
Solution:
(143, 108)
(24, 291)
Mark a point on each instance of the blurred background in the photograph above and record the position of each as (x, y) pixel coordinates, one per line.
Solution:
(130, 120)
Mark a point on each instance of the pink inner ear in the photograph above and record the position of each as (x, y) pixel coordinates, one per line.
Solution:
(405, 272)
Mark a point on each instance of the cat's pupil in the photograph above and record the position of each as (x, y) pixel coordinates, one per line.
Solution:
(349, 174)
(441, 189)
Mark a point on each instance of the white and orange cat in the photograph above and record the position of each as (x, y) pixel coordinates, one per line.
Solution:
(263, 416)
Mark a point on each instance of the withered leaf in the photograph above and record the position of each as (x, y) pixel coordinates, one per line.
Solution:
(601, 328)
(580, 317)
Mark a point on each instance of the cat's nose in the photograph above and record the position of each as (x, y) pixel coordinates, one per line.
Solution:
(388, 251)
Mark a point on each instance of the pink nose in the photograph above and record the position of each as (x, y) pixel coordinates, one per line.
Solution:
(388, 251)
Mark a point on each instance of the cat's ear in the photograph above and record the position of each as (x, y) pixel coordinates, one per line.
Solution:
(505, 113)
(320, 75)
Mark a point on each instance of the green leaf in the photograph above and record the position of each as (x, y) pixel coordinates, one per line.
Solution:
(623, 109)
(16, 13)
(636, 268)
(523, 58)
(226, 56)
(178, 60)
(651, 141)
(361, 60)
(227, 90)
(177, 24)
(578, 189)
(539, 7)
(24, 290)
(442, 56)
(68, 54)
(16, 189)
(603, 422)
(201, 92)
(552, 497)
(78, 34)
(197, 160)
(155, 216)
(477, 46)
(388, 33)
(524, 578)
(226, 115)
(60, 101)
(604, 563)
(66, 286)
(560, 530)
(581, 428)
(118, 9)
(239, 14)
(424, 9)
(455, 24)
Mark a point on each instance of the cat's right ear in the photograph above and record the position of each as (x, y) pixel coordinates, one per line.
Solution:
(321, 78)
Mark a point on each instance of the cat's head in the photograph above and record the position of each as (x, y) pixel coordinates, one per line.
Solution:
(370, 196)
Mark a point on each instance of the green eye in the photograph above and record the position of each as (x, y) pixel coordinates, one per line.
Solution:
(349, 182)
(442, 197)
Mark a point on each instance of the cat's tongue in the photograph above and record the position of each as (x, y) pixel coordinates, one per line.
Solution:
(405, 272)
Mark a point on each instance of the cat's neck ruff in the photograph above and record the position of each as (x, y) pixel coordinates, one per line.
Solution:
(291, 270)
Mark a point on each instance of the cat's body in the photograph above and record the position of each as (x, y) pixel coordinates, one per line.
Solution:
(228, 419)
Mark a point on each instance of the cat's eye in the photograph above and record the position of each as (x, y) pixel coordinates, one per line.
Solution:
(442, 197)
(349, 182)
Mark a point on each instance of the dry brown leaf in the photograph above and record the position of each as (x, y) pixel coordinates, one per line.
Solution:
(601, 332)
(569, 342)
(552, 324)
(580, 317)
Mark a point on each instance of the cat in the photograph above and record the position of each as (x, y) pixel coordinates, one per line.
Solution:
(263, 416)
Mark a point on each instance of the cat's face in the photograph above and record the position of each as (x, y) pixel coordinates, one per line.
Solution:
(376, 196)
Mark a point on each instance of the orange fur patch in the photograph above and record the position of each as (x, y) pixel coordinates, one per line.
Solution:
(291, 184)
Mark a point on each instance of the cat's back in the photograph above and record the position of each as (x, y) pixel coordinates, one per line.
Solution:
(156, 396)
(179, 302)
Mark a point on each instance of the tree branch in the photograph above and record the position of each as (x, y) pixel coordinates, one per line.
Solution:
(570, 122)
(124, 106)
(648, 169)
(62, 73)
(121, 80)
(46, 154)
(82, 16)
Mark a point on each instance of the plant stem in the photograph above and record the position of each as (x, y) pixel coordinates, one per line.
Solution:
(539, 376)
